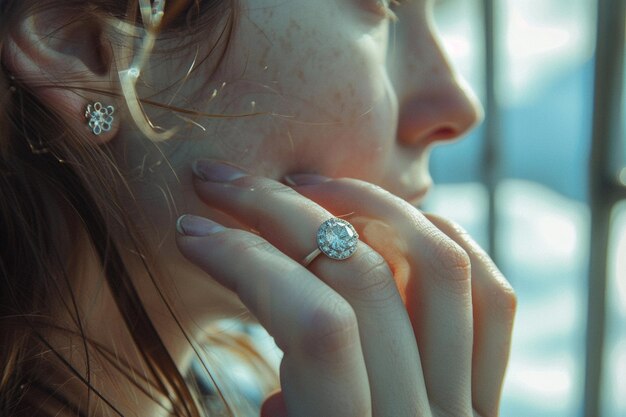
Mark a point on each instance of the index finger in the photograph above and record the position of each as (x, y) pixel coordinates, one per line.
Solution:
(323, 371)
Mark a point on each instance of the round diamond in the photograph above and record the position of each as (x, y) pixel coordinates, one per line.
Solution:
(337, 238)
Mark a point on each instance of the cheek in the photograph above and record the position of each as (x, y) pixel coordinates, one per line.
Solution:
(343, 113)
(356, 133)
(327, 101)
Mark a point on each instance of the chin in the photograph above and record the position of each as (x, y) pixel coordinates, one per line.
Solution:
(418, 197)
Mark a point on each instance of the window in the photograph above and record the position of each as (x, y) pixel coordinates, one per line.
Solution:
(523, 184)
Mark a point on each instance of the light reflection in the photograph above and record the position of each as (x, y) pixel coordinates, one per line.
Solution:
(618, 370)
(619, 256)
(614, 401)
(542, 41)
(527, 38)
(545, 227)
(548, 384)
(622, 176)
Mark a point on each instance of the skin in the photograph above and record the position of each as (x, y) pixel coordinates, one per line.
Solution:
(371, 114)
(418, 321)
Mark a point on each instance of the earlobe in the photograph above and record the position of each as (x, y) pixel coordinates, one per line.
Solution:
(100, 117)
(64, 61)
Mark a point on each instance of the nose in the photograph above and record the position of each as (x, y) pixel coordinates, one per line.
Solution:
(435, 104)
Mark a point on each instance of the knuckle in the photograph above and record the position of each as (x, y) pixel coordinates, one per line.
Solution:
(371, 279)
(448, 225)
(506, 298)
(501, 292)
(329, 329)
(449, 261)
(450, 409)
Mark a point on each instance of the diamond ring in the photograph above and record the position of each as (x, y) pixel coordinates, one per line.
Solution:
(336, 238)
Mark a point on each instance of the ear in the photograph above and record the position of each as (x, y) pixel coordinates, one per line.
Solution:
(65, 60)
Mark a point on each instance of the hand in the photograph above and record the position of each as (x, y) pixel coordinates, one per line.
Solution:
(350, 343)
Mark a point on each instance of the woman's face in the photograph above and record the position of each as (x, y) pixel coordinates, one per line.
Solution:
(340, 90)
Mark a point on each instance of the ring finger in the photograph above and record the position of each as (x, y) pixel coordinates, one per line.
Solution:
(432, 270)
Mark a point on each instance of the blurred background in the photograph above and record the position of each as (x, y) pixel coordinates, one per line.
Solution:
(541, 183)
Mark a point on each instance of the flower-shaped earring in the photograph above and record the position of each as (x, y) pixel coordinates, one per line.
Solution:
(100, 117)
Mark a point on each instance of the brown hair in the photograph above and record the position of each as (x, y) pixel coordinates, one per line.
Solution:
(47, 171)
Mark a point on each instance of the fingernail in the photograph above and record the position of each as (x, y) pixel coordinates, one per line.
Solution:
(217, 171)
(305, 179)
(190, 225)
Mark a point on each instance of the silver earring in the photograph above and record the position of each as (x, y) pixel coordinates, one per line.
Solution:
(100, 117)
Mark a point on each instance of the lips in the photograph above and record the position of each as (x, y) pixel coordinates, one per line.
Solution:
(408, 176)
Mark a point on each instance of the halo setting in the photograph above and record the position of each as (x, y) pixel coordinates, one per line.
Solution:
(337, 239)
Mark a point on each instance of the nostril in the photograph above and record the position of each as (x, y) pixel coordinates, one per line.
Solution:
(445, 133)
(439, 113)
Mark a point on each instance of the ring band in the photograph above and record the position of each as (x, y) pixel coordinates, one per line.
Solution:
(336, 238)
(311, 256)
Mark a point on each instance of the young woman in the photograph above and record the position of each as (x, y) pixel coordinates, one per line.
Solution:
(168, 165)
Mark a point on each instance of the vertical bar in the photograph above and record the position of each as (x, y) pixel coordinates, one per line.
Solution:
(492, 124)
(604, 189)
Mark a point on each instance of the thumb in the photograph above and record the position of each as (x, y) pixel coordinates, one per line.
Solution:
(274, 405)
